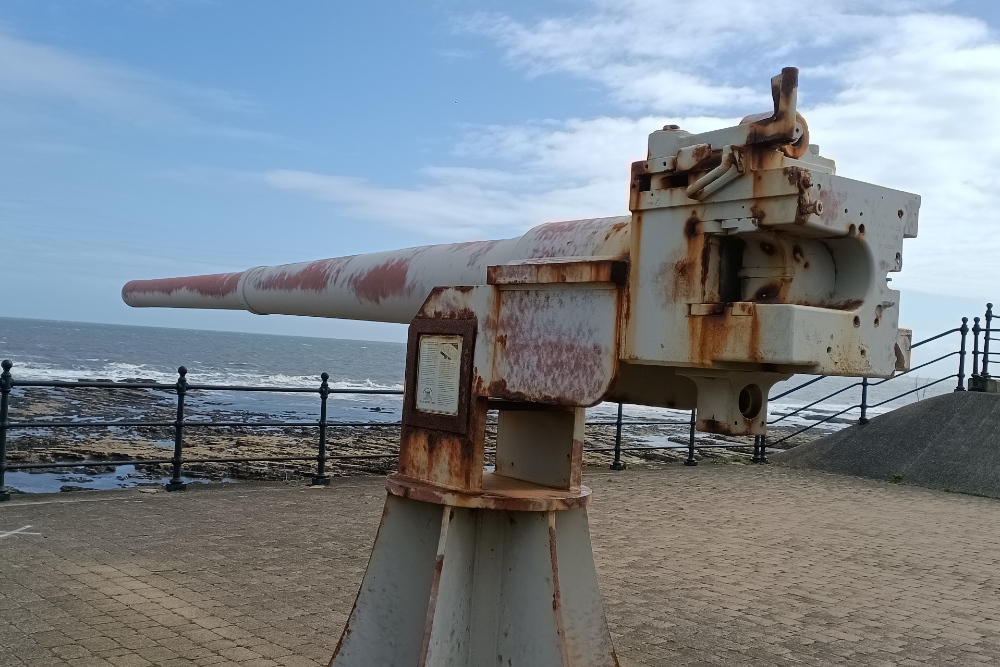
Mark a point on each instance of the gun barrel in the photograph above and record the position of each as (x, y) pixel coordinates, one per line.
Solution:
(383, 286)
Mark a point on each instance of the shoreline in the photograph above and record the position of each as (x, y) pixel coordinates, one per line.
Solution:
(111, 444)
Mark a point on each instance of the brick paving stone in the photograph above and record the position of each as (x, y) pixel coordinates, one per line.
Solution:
(714, 565)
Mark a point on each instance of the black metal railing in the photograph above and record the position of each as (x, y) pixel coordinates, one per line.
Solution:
(182, 423)
(865, 383)
(181, 389)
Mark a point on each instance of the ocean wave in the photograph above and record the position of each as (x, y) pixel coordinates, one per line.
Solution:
(120, 371)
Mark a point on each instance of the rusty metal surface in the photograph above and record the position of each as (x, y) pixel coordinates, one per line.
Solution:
(783, 268)
(498, 493)
(445, 450)
(558, 270)
(385, 286)
(555, 344)
(211, 291)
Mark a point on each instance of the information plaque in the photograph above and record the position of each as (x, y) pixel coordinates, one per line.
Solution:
(439, 366)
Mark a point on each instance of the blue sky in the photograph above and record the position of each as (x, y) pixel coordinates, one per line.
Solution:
(150, 138)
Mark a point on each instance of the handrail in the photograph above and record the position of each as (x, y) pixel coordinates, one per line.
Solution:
(915, 368)
(911, 391)
(821, 421)
(801, 386)
(806, 407)
(933, 338)
(181, 388)
(104, 384)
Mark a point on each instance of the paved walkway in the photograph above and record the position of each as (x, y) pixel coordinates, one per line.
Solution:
(715, 565)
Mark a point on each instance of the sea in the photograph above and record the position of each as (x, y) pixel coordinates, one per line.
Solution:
(71, 351)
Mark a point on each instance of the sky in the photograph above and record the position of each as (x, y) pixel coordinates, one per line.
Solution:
(155, 138)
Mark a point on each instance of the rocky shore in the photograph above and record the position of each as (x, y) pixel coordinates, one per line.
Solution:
(374, 447)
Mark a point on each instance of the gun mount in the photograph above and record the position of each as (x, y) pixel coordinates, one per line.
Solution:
(745, 259)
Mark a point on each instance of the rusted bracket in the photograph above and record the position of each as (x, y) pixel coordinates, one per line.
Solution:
(780, 126)
(559, 270)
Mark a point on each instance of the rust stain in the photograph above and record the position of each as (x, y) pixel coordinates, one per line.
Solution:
(715, 426)
(217, 285)
(557, 231)
(615, 229)
(579, 366)
(852, 304)
(692, 226)
(833, 205)
(772, 292)
(425, 452)
(711, 336)
(574, 238)
(382, 281)
(722, 428)
(753, 341)
(497, 492)
(799, 178)
(701, 153)
(678, 278)
(556, 594)
(477, 250)
(314, 276)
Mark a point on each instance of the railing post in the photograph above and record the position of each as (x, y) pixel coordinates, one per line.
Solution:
(964, 330)
(986, 340)
(694, 421)
(175, 483)
(321, 478)
(864, 401)
(976, 329)
(617, 463)
(756, 450)
(5, 383)
(763, 449)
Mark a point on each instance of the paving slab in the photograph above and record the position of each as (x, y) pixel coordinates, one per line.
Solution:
(713, 565)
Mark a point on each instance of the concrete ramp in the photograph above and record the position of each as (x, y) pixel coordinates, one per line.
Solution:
(949, 442)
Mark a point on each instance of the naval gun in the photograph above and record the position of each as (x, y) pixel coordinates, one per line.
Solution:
(745, 260)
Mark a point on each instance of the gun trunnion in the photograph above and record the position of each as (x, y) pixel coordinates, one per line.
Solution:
(745, 259)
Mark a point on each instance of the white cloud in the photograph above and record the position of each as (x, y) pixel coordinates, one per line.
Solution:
(917, 111)
(680, 56)
(898, 95)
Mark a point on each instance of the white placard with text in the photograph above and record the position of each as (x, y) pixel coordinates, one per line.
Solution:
(439, 366)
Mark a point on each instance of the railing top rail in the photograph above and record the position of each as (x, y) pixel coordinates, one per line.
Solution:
(817, 401)
(331, 390)
(167, 386)
(933, 338)
(801, 386)
(813, 425)
(915, 368)
(95, 384)
(911, 391)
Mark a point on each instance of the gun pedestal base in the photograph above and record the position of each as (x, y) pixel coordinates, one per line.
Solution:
(501, 577)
